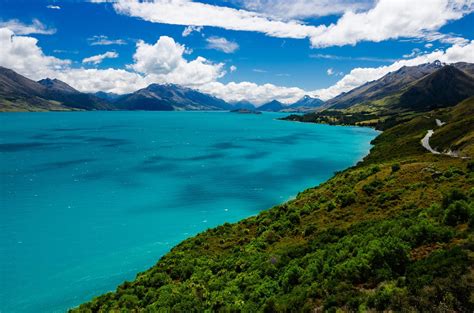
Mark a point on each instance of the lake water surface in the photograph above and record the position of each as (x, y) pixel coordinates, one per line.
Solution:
(88, 199)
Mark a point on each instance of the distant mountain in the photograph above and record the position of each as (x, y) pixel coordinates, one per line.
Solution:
(391, 83)
(110, 96)
(307, 102)
(18, 93)
(70, 97)
(243, 105)
(169, 97)
(272, 106)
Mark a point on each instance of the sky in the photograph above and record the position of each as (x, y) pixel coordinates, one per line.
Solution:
(252, 50)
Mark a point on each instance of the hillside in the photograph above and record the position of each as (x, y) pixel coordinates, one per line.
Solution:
(169, 97)
(444, 87)
(389, 84)
(272, 106)
(393, 233)
(18, 93)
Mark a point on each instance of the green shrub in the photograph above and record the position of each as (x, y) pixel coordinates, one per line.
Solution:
(395, 167)
(457, 212)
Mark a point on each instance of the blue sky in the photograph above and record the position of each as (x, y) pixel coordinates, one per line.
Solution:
(73, 32)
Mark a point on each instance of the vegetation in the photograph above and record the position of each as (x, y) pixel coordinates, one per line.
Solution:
(393, 233)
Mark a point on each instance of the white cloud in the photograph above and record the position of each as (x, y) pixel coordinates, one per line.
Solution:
(285, 9)
(349, 58)
(233, 68)
(388, 19)
(222, 44)
(258, 70)
(53, 7)
(102, 40)
(36, 27)
(22, 54)
(429, 46)
(359, 76)
(186, 12)
(97, 59)
(189, 29)
(392, 19)
(330, 71)
(258, 94)
(414, 52)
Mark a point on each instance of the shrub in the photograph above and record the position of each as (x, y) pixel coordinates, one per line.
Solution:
(347, 198)
(451, 196)
(395, 167)
(457, 212)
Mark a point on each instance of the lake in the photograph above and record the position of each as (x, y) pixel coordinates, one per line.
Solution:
(89, 199)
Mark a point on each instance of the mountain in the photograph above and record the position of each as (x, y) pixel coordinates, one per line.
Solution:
(70, 97)
(468, 68)
(307, 102)
(169, 97)
(243, 104)
(272, 106)
(110, 96)
(391, 83)
(445, 87)
(18, 93)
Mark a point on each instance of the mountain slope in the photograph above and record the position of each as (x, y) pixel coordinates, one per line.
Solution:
(391, 83)
(169, 97)
(445, 87)
(70, 97)
(394, 233)
(272, 106)
(18, 93)
(307, 102)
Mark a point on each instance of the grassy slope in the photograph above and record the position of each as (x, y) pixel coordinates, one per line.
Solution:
(394, 232)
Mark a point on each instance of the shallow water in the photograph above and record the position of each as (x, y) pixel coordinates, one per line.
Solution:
(88, 199)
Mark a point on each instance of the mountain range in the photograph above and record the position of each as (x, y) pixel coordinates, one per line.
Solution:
(18, 93)
(397, 96)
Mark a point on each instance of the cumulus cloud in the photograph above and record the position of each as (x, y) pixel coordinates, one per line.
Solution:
(36, 27)
(222, 44)
(102, 40)
(258, 94)
(330, 71)
(53, 7)
(388, 19)
(190, 29)
(233, 68)
(22, 54)
(97, 59)
(392, 19)
(359, 76)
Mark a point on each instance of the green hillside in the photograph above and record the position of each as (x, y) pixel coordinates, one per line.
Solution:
(393, 233)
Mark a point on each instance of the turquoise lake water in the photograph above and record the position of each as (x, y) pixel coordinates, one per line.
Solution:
(88, 199)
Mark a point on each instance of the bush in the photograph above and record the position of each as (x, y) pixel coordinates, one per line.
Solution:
(457, 213)
(346, 199)
(395, 167)
(451, 196)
